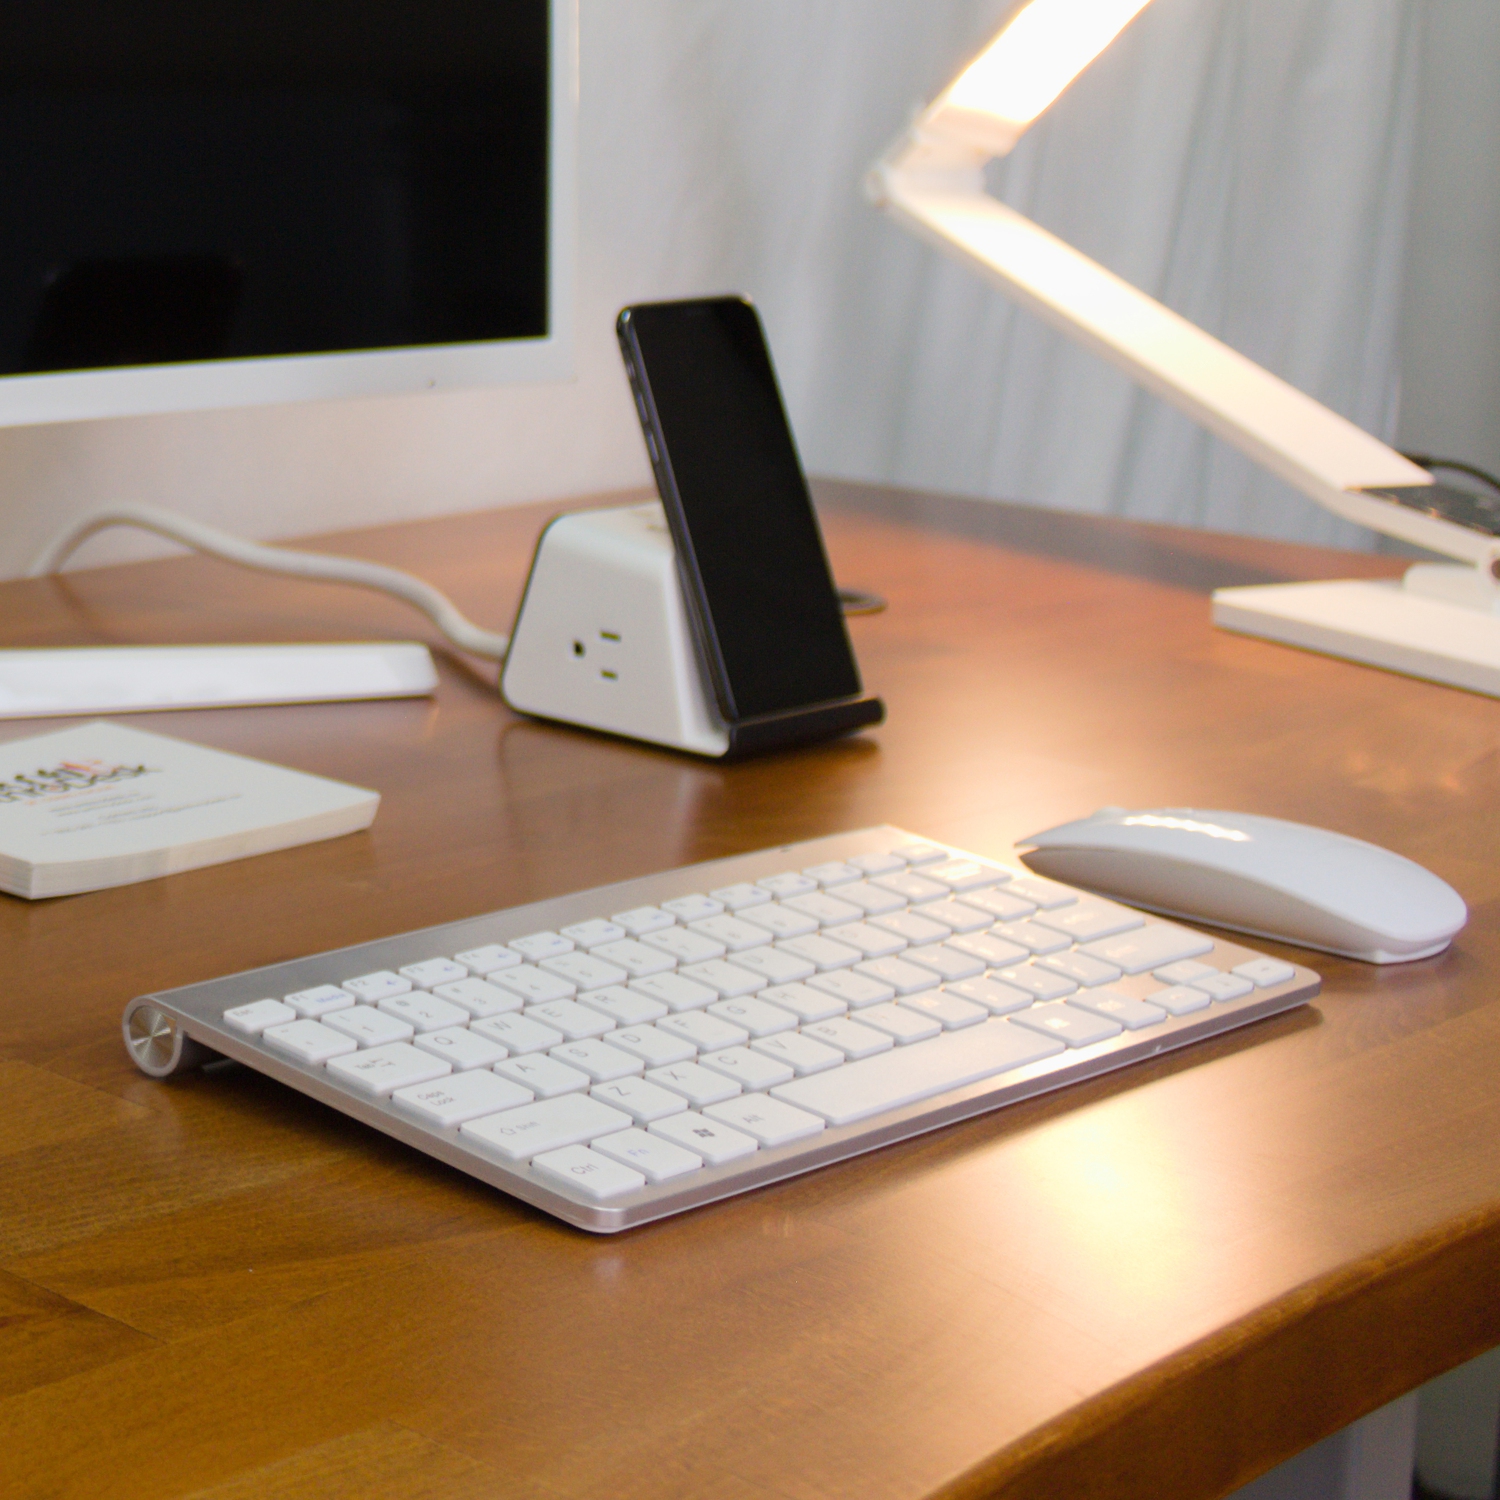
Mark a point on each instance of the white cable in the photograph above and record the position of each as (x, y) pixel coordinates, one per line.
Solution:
(439, 609)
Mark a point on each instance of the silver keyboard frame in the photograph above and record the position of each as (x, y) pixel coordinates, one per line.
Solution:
(196, 1009)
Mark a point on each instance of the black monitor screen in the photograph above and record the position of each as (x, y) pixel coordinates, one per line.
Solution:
(214, 179)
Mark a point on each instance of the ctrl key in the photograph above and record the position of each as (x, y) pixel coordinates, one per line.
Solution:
(587, 1172)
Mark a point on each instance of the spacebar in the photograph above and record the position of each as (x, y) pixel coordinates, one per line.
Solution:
(909, 1074)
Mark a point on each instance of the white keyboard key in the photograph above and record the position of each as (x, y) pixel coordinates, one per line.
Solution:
(732, 932)
(920, 852)
(375, 1071)
(307, 1041)
(911, 887)
(907, 1075)
(479, 997)
(822, 952)
(901, 1023)
(727, 980)
(536, 946)
(675, 991)
(912, 928)
(464, 1096)
(1033, 938)
(707, 1033)
(751, 1070)
(321, 1000)
(870, 899)
(424, 1012)
(590, 934)
(433, 971)
(995, 951)
(952, 1012)
(517, 1034)
(825, 910)
(1149, 947)
(684, 945)
(1089, 920)
(781, 921)
(587, 1172)
(1132, 1014)
(545, 1076)
(1264, 972)
(956, 916)
(774, 965)
(951, 963)
(1000, 905)
(833, 874)
(878, 864)
(586, 970)
(853, 989)
(462, 1048)
(1078, 1028)
(576, 1022)
(534, 986)
(1223, 986)
(716, 1143)
(1047, 894)
(252, 1019)
(657, 1160)
(1040, 984)
(599, 1060)
(641, 1100)
(644, 919)
(789, 883)
(802, 1054)
(902, 977)
(698, 1085)
(806, 1002)
(771, 1121)
(756, 1016)
(999, 999)
(1184, 972)
(854, 1039)
(635, 958)
(624, 1007)
(370, 1027)
(964, 874)
(488, 959)
(1179, 999)
(1082, 967)
(872, 941)
(741, 897)
(693, 908)
(373, 988)
(656, 1049)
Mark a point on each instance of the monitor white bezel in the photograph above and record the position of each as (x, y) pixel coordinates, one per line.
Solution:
(141, 390)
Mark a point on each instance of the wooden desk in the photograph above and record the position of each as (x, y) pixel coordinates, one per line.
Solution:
(1155, 1285)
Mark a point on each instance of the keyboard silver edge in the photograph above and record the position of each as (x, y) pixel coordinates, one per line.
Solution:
(195, 1006)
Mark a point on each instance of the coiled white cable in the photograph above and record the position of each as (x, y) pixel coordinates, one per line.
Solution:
(437, 607)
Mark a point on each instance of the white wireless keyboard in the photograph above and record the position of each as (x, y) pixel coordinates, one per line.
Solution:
(632, 1051)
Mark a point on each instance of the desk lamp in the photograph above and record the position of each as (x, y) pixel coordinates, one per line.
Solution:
(1441, 621)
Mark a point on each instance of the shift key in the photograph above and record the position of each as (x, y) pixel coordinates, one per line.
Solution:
(569, 1120)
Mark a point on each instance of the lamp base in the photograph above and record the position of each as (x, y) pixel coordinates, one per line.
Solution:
(1379, 622)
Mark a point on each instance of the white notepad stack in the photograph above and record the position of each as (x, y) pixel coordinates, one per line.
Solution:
(104, 805)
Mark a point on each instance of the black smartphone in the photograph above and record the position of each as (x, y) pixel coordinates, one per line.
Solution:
(755, 577)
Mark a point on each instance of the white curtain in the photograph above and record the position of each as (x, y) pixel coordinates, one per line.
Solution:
(1246, 161)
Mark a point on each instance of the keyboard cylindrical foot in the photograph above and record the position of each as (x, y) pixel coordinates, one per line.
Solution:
(158, 1046)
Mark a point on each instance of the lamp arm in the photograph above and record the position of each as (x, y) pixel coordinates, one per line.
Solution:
(935, 187)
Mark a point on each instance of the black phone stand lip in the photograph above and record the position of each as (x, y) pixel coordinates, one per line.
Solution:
(801, 726)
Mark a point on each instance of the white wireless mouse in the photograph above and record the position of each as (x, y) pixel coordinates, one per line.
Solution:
(1258, 875)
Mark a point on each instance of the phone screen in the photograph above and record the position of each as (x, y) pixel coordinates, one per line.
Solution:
(754, 572)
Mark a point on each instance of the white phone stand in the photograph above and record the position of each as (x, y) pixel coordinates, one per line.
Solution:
(602, 640)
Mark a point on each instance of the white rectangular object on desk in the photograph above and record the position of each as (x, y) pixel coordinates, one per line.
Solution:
(103, 804)
(136, 679)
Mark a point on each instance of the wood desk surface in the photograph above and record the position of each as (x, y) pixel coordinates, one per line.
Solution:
(1158, 1284)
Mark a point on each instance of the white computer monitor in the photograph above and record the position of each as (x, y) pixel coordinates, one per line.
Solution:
(261, 201)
